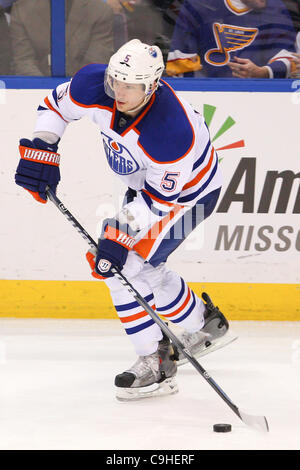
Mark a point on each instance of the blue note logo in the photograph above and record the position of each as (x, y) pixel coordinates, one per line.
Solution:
(229, 38)
(119, 158)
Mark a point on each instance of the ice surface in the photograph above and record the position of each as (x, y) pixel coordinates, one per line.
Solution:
(57, 392)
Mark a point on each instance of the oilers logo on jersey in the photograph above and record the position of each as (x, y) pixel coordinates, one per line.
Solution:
(119, 158)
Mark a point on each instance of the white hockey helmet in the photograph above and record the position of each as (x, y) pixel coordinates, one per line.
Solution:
(135, 63)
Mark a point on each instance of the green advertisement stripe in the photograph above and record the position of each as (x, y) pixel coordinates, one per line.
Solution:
(208, 112)
(227, 125)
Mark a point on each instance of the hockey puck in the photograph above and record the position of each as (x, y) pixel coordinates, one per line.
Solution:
(221, 427)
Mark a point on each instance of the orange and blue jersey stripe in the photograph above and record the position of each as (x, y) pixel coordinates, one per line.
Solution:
(208, 171)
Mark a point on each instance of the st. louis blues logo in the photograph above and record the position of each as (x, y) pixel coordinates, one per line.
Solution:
(229, 38)
(119, 158)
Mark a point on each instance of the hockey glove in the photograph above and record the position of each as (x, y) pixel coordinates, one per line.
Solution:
(113, 248)
(91, 257)
(38, 167)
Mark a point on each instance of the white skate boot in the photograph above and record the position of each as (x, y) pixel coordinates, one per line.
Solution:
(150, 376)
(214, 334)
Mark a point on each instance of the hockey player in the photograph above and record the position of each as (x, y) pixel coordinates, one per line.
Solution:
(160, 148)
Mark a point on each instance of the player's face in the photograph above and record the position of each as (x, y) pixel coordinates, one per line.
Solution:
(128, 96)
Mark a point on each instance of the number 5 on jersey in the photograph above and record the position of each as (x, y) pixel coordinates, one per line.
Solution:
(169, 181)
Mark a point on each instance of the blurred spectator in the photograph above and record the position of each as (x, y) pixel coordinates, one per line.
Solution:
(144, 20)
(6, 4)
(293, 7)
(120, 23)
(169, 10)
(141, 19)
(5, 44)
(151, 21)
(89, 35)
(224, 38)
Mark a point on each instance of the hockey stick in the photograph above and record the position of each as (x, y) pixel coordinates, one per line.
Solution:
(258, 422)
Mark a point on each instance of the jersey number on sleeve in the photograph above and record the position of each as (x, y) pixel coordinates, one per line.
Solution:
(169, 181)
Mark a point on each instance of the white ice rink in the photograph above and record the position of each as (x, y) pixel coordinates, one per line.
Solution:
(57, 392)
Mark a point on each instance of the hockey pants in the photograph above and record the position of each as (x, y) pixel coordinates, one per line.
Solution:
(165, 291)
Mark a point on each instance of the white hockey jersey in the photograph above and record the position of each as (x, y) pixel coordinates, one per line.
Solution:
(164, 153)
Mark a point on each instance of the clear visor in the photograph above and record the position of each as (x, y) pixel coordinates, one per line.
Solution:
(112, 86)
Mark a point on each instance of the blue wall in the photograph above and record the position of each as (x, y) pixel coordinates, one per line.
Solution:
(179, 84)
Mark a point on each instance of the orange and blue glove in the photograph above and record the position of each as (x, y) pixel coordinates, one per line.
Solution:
(38, 167)
(113, 248)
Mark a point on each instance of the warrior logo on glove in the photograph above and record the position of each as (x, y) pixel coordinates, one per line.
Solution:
(104, 265)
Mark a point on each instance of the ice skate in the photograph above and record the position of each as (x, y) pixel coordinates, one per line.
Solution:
(150, 376)
(214, 334)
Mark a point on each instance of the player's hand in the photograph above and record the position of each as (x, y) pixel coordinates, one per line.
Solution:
(295, 69)
(245, 68)
(113, 248)
(91, 258)
(109, 254)
(38, 167)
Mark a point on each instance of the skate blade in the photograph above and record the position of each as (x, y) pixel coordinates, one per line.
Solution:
(167, 387)
(213, 346)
